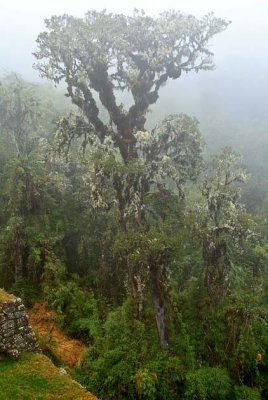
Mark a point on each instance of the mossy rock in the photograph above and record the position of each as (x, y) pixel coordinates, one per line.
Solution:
(5, 297)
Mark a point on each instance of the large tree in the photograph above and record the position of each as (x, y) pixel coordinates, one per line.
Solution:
(105, 53)
(225, 223)
(29, 191)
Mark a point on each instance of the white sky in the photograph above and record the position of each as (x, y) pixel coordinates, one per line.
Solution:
(46, 8)
(22, 20)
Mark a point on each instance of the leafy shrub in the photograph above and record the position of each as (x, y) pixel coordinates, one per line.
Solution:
(126, 361)
(208, 384)
(146, 384)
(76, 308)
(246, 393)
(26, 290)
(110, 365)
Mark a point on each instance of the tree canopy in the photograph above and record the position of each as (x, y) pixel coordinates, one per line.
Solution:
(103, 53)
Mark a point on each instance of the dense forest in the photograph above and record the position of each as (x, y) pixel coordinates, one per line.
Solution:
(147, 236)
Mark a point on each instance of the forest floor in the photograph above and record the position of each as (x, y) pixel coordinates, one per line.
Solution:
(51, 339)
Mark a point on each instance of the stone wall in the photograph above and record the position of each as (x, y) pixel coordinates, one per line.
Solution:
(16, 335)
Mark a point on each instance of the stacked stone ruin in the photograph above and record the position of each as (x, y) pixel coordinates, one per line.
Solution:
(16, 335)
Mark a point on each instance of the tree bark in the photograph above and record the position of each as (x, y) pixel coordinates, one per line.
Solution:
(216, 265)
(18, 258)
(139, 294)
(159, 308)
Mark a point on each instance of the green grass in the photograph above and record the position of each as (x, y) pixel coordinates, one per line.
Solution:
(34, 377)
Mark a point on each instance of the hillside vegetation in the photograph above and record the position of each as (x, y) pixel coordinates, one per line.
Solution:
(34, 377)
(144, 252)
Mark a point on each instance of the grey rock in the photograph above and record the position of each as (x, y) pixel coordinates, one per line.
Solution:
(14, 354)
(8, 333)
(62, 371)
(9, 309)
(16, 334)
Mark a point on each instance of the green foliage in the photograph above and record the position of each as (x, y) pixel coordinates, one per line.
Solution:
(246, 393)
(225, 223)
(126, 361)
(142, 249)
(146, 385)
(169, 375)
(76, 308)
(27, 290)
(109, 366)
(28, 232)
(229, 332)
(208, 384)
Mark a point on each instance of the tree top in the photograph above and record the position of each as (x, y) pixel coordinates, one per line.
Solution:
(103, 52)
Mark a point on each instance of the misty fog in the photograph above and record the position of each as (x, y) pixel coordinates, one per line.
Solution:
(230, 102)
(134, 200)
